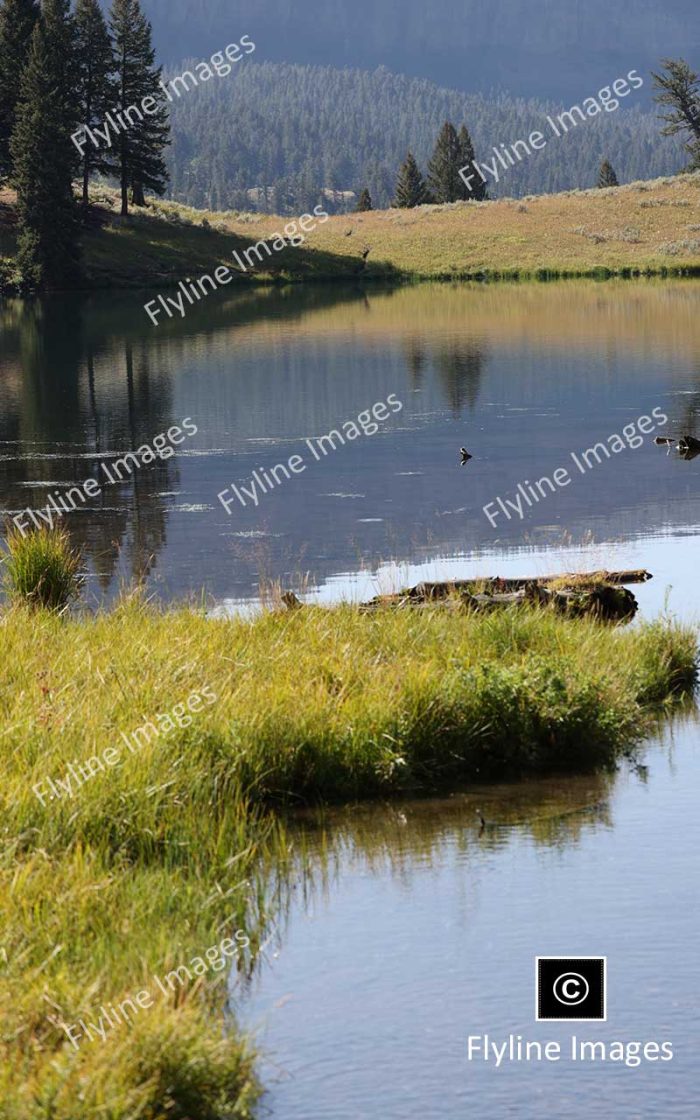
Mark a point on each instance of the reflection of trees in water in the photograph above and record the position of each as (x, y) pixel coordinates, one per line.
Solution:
(459, 365)
(63, 417)
(691, 411)
(415, 362)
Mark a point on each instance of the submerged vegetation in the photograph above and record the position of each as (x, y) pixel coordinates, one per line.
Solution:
(112, 874)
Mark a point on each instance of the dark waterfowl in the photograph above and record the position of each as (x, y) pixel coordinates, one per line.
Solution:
(687, 446)
(465, 456)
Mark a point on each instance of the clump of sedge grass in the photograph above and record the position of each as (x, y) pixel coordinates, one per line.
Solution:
(42, 568)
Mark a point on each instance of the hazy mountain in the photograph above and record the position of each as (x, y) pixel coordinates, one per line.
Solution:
(296, 129)
(546, 48)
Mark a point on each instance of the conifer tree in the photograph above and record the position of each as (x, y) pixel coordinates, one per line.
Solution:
(364, 202)
(43, 155)
(410, 186)
(17, 20)
(96, 87)
(607, 176)
(478, 192)
(444, 181)
(139, 147)
(678, 89)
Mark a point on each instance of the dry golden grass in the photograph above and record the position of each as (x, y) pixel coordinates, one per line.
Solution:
(653, 225)
(646, 227)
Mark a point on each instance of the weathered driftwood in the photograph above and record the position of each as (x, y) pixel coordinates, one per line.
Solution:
(600, 594)
(498, 584)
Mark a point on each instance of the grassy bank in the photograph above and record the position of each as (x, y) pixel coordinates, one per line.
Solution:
(646, 228)
(150, 861)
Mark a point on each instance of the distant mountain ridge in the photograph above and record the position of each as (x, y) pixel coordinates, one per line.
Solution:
(544, 48)
(296, 129)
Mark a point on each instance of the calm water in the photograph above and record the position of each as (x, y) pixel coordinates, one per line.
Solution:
(415, 931)
(411, 928)
(522, 376)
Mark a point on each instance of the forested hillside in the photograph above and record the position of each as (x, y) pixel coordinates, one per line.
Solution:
(293, 130)
(543, 48)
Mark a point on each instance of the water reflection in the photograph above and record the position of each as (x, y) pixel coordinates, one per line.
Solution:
(412, 928)
(460, 368)
(520, 375)
(401, 840)
(71, 404)
(549, 811)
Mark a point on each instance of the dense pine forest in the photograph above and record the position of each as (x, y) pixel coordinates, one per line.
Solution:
(65, 70)
(290, 131)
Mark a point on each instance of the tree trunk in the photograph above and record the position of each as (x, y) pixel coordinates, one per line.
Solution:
(125, 190)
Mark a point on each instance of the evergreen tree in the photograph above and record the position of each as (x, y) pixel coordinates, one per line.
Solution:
(478, 192)
(364, 202)
(96, 88)
(679, 89)
(410, 186)
(139, 147)
(607, 176)
(43, 155)
(17, 20)
(444, 181)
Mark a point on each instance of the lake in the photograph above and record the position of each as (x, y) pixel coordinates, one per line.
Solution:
(413, 929)
(523, 376)
(410, 926)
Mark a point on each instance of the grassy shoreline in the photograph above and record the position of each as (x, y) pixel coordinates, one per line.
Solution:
(641, 229)
(150, 861)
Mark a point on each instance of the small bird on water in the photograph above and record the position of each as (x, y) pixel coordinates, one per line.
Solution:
(465, 456)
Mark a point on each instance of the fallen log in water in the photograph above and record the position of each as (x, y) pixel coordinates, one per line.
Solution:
(500, 584)
(600, 594)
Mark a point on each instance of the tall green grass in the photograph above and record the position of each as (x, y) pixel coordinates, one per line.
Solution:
(157, 859)
(41, 569)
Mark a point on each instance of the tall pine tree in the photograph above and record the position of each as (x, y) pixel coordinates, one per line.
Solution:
(410, 186)
(139, 147)
(364, 202)
(444, 181)
(607, 176)
(17, 21)
(43, 155)
(466, 159)
(96, 87)
(678, 90)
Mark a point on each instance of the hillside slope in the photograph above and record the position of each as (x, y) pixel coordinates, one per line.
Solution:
(646, 227)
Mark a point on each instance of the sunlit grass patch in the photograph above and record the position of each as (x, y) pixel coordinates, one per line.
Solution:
(41, 568)
(136, 870)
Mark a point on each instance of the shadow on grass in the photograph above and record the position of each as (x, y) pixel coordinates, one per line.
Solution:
(144, 250)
